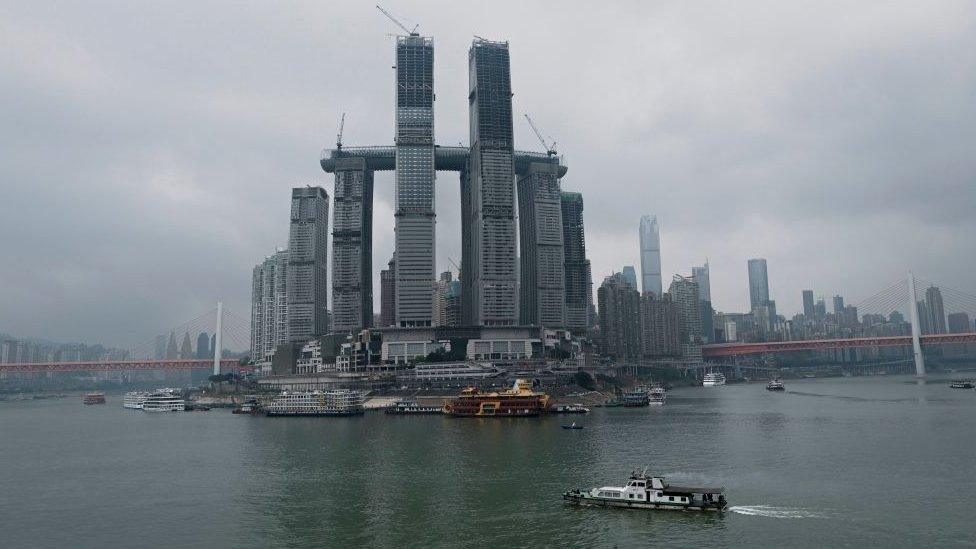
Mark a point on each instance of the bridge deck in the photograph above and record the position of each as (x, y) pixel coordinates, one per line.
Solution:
(451, 159)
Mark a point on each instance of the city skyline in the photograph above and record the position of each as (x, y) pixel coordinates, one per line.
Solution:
(282, 117)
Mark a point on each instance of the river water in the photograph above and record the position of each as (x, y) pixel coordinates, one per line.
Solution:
(874, 461)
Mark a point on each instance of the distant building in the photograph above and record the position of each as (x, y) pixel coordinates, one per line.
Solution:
(684, 294)
(159, 351)
(809, 309)
(630, 276)
(447, 300)
(352, 244)
(186, 348)
(388, 295)
(758, 283)
(650, 255)
(924, 317)
(203, 346)
(660, 326)
(542, 290)
(619, 306)
(820, 308)
(959, 323)
(269, 307)
(576, 267)
(701, 277)
(838, 305)
(307, 272)
(936, 310)
(172, 351)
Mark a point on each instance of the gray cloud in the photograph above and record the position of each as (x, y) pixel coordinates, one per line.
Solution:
(146, 151)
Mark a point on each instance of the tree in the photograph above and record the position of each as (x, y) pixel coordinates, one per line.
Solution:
(584, 380)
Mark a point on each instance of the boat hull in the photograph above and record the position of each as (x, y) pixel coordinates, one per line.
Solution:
(589, 501)
(313, 414)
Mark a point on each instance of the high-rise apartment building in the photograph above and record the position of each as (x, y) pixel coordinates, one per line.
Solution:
(660, 326)
(959, 323)
(488, 192)
(269, 306)
(576, 268)
(701, 277)
(447, 300)
(620, 328)
(809, 310)
(414, 208)
(650, 255)
(307, 273)
(388, 295)
(542, 289)
(203, 346)
(758, 283)
(684, 294)
(936, 310)
(352, 245)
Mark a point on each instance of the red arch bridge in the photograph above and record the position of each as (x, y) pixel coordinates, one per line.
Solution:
(227, 365)
(739, 349)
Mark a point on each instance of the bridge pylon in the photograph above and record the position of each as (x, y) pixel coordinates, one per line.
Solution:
(217, 344)
(916, 328)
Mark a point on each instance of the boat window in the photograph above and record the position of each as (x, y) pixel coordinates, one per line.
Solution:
(631, 496)
(670, 498)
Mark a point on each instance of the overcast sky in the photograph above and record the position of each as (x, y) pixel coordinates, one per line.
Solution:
(147, 149)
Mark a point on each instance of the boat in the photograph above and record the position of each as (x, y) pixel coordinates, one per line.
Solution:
(657, 395)
(250, 406)
(94, 398)
(519, 401)
(650, 492)
(572, 425)
(335, 402)
(164, 401)
(775, 385)
(569, 409)
(411, 407)
(713, 379)
(636, 397)
(134, 400)
(962, 384)
(194, 407)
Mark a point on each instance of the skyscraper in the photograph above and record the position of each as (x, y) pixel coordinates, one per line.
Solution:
(388, 295)
(579, 284)
(660, 326)
(650, 254)
(203, 346)
(758, 283)
(172, 351)
(809, 310)
(701, 277)
(488, 193)
(936, 310)
(352, 244)
(186, 348)
(414, 209)
(838, 305)
(684, 294)
(620, 333)
(269, 306)
(542, 289)
(447, 300)
(959, 323)
(307, 272)
(630, 276)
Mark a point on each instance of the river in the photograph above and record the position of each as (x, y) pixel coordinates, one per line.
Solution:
(872, 461)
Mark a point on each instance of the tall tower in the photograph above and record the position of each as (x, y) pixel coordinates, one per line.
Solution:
(352, 246)
(758, 284)
(809, 309)
(650, 255)
(387, 295)
(579, 282)
(414, 208)
(542, 299)
(936, 310)
(488, 185)
(269, 307)
(307, 273)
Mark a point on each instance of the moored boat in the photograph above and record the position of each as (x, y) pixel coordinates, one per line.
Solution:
(94, 398)
(250, 406)
(775, 385)
(650, 492)
(164, 401)
(713, 380)
(657, 395)
(962, 384)
(411, 407)
(336, 402)
(636, 397)
(519, 401)
(134, 400)
(569, 409)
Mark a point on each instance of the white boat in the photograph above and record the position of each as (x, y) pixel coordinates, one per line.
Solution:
(134, 399)
(644, 492)
(163, 401)
(657, 396)
(338, 402)
(712, 380)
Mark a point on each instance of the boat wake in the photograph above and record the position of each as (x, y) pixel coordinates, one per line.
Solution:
(775, 512)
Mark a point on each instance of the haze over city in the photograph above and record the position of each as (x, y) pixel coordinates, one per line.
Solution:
(148, 152)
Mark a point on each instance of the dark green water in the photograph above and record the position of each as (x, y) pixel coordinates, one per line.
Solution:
(841, 462)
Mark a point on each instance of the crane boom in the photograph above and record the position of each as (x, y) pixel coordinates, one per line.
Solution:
(342, 126)
(398, 23)
(550, 149)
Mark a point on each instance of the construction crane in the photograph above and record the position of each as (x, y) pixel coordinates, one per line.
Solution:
(399, 24)
(550, 148)
(342, 126)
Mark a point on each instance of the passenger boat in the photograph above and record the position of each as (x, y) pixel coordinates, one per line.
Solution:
(249, 406)
(569, 409)
(134, 400)
(410, 407)
(657, 395)
(965, 384)
(644, 492)
(519, 401)
(775, 385)
(94, 398)
(636, 397)
(713, 379)
(163, 401)
(336, 402)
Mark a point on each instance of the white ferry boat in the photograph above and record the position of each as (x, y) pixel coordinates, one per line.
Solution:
(775, 385)
(711, 380)
(337, 402)
(134, 400)
(643, 492)
(163, 401)
(657, 396)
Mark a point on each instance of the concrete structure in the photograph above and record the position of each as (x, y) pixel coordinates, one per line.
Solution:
(307, 273)
(650, 254)
(576, 267)
(488, 266)
(269, 309)
(388, 295)
(352, 243)
(619, 306)
(758, 284)
(660, 327)
(543, 278)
